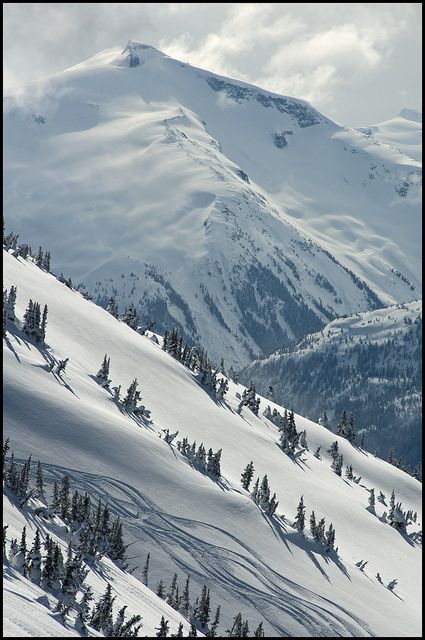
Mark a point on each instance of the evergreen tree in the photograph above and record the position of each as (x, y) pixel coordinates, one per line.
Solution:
(313, 525)
(179, 633)
(192, 632)
(4, 312)
(247, 475)
(392, 584)
(103, 372)
(10, 305)
(212, 632)
(349, 472)
(371, 501)
(160, 591)
(342, 425)
(300, 517)
(64, 498)
(6, 448)
(334, 450)
(146, 570)
(330, 538)
(39, 258)
(273, 504)
(317, 453)
(185, 599)
(112, 307)
(320, 531)
(170, 597)
(61, 365)
(163, 628)
(131, 317)
(236, 630)
(392, 509)
(203, 613)
(101, 618)
(350, 433)
(34, 560)
(337, 464)
(255, 491)
(259, 633)
(132, 397)
(46, 261)
(39, 481)
(42, 332)
(29, 320)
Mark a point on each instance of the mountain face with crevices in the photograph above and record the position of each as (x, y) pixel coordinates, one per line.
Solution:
(245, 218)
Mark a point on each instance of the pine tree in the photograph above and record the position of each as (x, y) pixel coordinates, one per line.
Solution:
(146, 570)
(349, 472)
(273, 504)
(320, 531)
(342, 425)
(264, 492)
(101, 618)
(255, 491)
(10, 305)
(39, 481)
(112, 307)
(29, 320)
(212, 632)
(170, 597)
(300, 517)
(34, 559)
(46, 261)
(6, 448)
(160, 591)
(247, 475)
(259, 633)
(131, 317)
(192, 632)
(185, 599)
(392, 509)
(313, 525)
(132, 397)
(163, 628)
(337, 464)
(236, 629)
(330, 538)
(103, 373)
(65, 503)
(371, 501)
(350, 433)
(179, 633)
(43, 325)
(39, 258)
(334, 450)
(317, 453)
(84, 610)
(203, 613)
(4, 312)
(61, 365)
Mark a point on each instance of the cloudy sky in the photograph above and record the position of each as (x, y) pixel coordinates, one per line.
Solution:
(357, 62)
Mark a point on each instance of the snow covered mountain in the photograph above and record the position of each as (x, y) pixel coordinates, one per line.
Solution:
(246, 218)
(370, 364)
(403, 132)
(190, 522)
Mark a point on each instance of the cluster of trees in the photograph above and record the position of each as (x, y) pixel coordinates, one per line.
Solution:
(34, 322)
(261, 492)
(207, 462)
(133, 396)
(199, 613)
(292, 442)
(337, 458)
(130, 316)
(41, 258)
(317, 529)
(250, 400)
(345, 427)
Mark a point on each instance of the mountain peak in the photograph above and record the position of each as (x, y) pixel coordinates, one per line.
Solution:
(411, 114)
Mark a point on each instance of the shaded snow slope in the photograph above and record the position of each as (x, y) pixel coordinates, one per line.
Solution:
(404, 132)
(188, 523)
(370, 364)
(247, 218)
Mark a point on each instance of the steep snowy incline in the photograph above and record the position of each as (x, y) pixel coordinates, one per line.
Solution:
(190, 524)
(215, 195)
(370, 364)
(403, 132)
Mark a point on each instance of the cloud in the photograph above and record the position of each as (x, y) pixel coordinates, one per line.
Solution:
(347, 58)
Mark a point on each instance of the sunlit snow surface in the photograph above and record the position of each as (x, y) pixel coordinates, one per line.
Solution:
(187, 522)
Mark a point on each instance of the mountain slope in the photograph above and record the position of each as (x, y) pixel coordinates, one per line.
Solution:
(247, 218)
(403, 132)
(369, 364)
(189, 523)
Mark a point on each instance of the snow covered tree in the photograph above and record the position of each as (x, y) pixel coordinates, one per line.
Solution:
(39, 258)
(300, 517)
(34, 559)
(4, 312)
(170, 597)
(272, 506)
(247, 475)
(163, 628)
(254, 492)
(83, 617)
(259, 632)
(112, 307)
(29, 320)
(46, 261)
(263, 496)
(270, 393)
(334, 450)
(317, 453)
(179, 632)
(236, 630)
(132, 397)
(203, 609)
(392, 509)
(349, 472)
(19, 560)
(320, 531)
(392, 584)
(337, 464)
(303, 440)
(64, 498)
(61, 365)
(101, 618)
(313, 525)
(371, 501)
(214, 465)
(103, 373)
(43, 325)
(10, 304)
(223, 387)
(342, 425)
(330, 538)
(350, 433)
(131, 317)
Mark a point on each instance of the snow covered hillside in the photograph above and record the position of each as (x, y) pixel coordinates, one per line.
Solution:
(403, 132)
(246, 218)
(188, 520)
(370, 364)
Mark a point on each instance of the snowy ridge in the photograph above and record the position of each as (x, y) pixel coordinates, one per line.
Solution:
(198, 183)
(190, 524)
(368, 363)
(404, 132)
